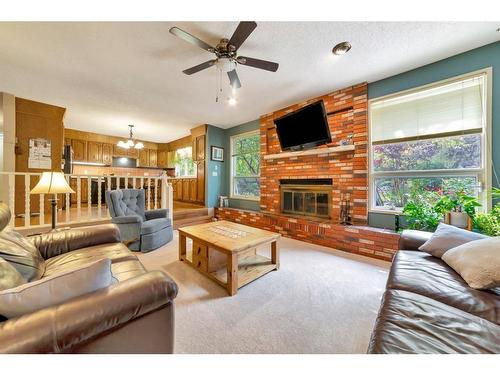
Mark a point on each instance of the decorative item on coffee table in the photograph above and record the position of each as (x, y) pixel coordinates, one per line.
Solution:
(226, 252)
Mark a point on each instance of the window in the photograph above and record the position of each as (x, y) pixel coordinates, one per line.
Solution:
(432, 139)
(245, 165)
(184, 165)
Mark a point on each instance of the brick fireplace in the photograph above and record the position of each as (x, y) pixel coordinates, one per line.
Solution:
(332, 175)
(347, 117)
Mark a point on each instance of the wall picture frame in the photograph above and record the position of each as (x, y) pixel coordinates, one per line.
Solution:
(216, 153)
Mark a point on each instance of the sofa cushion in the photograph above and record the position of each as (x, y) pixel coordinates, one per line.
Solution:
(9, 276)
(478, 262)
(22, 254)
(421, 273)
(447, 237)
(56, 289)
(412, 323)
(155, 225)
(124, 264)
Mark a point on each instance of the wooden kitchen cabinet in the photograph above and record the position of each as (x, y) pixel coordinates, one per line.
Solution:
(200, 182)
(192, 190)
(200, 148)
(84, 189)
(79, 149)
(152, 158)
(107, 153)
(144, 157)
(185, 190)
(162, 160)
(94, 152)
(133, 153)
(118, 151)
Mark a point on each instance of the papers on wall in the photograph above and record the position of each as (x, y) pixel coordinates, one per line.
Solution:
(40, 153)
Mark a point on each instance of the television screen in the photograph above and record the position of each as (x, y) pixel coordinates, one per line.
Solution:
(304, 128)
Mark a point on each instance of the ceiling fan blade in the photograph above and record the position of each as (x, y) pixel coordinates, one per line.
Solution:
(233, 79)
(241, 33)
(197, 68)
(191, 39)
(256, 63)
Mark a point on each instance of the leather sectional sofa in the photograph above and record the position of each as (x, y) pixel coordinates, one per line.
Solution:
(428, 308)
(135, 315)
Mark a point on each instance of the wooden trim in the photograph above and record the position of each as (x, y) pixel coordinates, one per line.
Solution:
(429, 136)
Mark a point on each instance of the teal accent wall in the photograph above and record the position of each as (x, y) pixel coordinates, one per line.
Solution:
(215, 173)
(219, 173)
(476, 59)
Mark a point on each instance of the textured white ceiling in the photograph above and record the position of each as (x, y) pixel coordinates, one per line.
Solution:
(109, 75)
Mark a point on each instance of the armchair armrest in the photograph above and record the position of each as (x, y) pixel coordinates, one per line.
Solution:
(62, 328)
(56, 243)
(412, 239)
(156, 214)
(130, 219)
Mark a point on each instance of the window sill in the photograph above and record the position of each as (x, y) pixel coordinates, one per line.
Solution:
(382, 211)
(242, 198)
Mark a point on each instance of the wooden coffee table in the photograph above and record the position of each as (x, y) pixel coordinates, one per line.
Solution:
(226, 252)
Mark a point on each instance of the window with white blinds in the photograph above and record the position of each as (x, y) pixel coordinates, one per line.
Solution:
(431, 139)
(449, 108)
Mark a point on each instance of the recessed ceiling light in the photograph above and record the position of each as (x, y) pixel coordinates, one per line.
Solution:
(232, 101)
(341, 48)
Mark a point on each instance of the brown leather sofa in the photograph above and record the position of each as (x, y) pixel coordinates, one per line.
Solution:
(135, 315)
(428, 308)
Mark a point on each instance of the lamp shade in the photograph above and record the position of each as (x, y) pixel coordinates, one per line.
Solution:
(52, 183)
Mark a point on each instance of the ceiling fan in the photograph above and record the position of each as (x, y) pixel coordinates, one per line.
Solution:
(226, 53)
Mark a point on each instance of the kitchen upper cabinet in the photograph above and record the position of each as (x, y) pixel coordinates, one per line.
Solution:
(118, 151)
(162, 160)
(94, 152)
(200, 147)
(133, 153)
(79, 149)
(152, 158)
(107, 153)
(144, 157)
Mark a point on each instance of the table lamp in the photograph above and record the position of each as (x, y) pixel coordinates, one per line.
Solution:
(52, 183)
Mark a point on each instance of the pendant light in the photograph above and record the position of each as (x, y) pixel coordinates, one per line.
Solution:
(130, 143)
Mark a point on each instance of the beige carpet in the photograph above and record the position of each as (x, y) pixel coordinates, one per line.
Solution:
(320, 301)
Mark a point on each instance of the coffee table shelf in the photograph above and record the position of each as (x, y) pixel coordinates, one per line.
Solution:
(226, 252)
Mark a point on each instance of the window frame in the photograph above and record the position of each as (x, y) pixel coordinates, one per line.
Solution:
(232, 169)
(484, 174)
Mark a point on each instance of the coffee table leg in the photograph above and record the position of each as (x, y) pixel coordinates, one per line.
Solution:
(182, 246)
(275, 254)
(232, 273)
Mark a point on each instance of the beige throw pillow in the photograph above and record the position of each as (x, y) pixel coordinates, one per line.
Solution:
(478, 262)
(55, 289)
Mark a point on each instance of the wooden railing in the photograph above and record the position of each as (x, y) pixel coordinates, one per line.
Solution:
(77, 207)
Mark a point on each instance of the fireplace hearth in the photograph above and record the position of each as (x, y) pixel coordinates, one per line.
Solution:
(306, 197)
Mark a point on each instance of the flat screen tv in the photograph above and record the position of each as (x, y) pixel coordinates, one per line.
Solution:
(304, 128)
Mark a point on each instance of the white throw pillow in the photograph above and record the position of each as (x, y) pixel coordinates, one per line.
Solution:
(55, 289)
(447, 237)
(478, 262)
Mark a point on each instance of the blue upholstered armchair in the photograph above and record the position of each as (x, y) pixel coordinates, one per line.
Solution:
(141, 230)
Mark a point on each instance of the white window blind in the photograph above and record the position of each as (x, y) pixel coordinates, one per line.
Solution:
(454, 107)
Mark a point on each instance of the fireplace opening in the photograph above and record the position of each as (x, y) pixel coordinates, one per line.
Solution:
(306, 197)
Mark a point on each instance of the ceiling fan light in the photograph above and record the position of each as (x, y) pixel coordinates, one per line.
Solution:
(232, 101)
(225, 64)
(130, 143)
(341, 48)
(139, 146)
